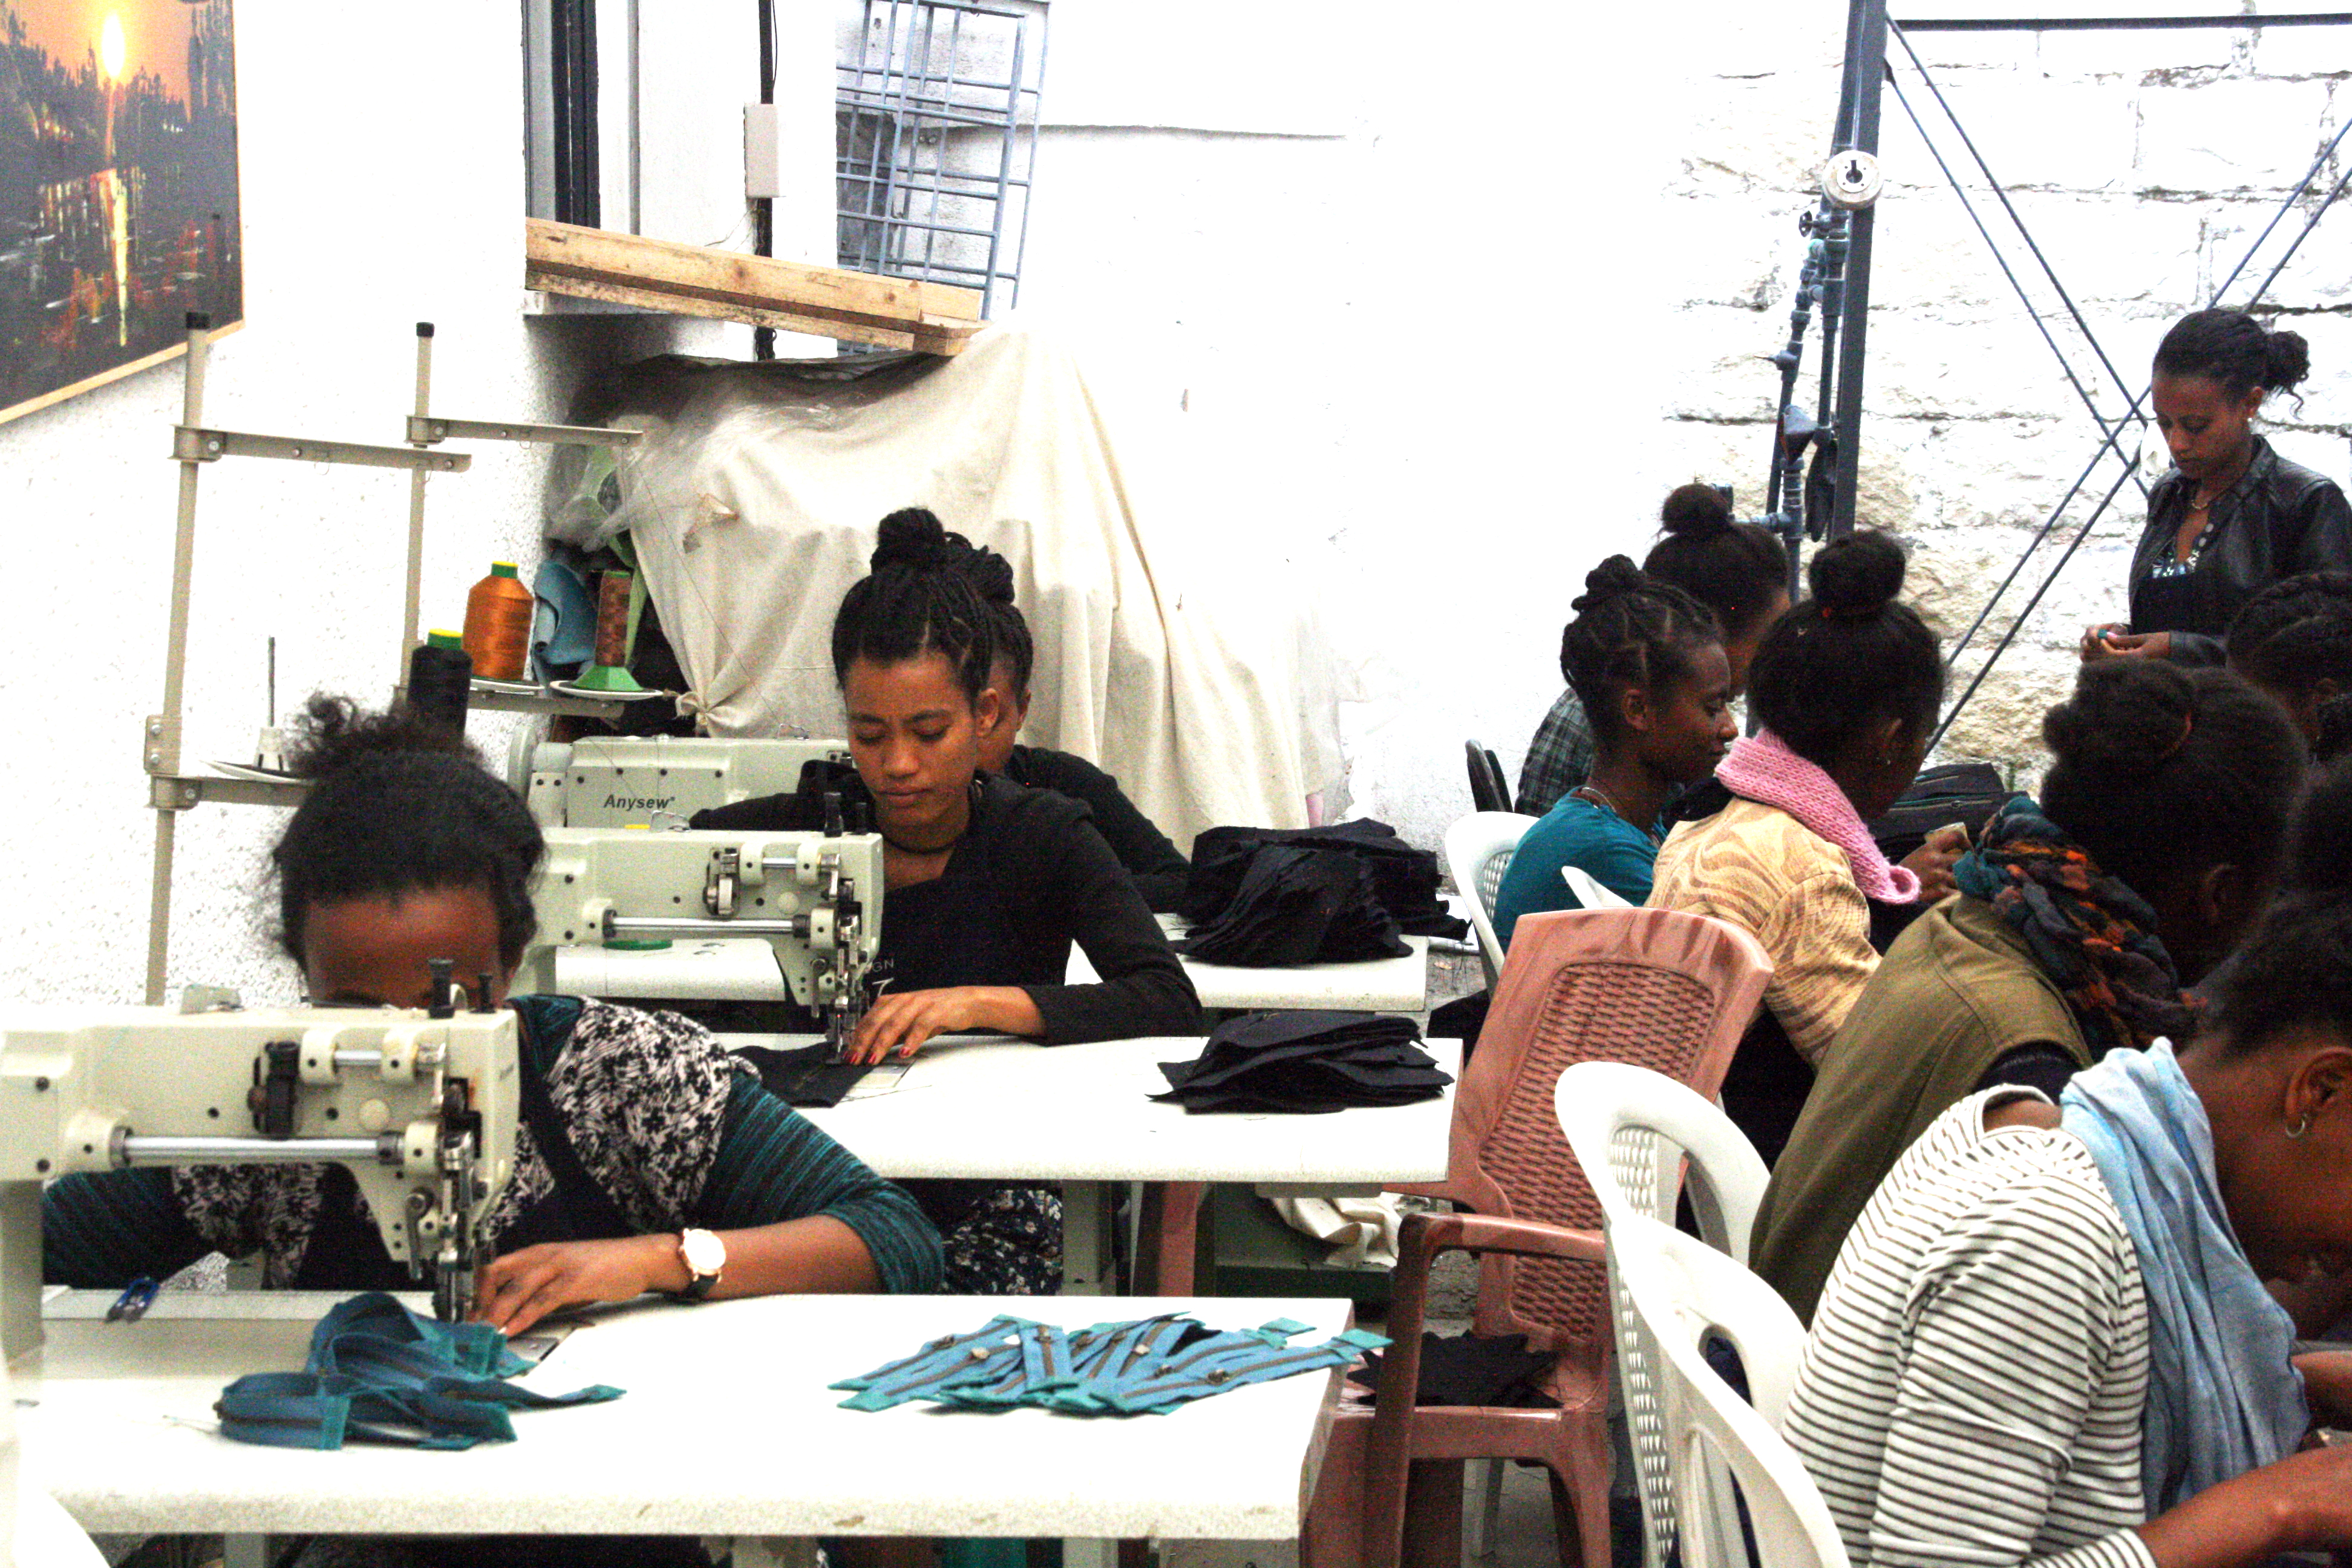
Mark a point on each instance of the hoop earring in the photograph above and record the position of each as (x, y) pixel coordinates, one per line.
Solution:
(2299, 1129)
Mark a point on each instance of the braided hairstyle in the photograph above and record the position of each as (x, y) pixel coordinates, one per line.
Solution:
(2291, 636)
(2234, 352)
(992, 578)
(918, 599)
(1632, 631)
(2163, 772)
(1738, 570)
(399, 802)
(1850, 656)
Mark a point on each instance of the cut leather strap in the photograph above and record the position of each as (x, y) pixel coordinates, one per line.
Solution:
(381, 1373)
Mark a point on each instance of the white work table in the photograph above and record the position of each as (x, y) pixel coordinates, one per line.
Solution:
(727, 1428)
(1371, 986)
(1081, 1116)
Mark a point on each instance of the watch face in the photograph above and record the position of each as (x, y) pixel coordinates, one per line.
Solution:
(705, 1253)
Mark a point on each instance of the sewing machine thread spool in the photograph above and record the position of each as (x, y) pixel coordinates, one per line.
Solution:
(609, 670)
(498, 623)
(441, 679)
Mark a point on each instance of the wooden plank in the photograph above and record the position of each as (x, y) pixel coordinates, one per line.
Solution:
(753, 282)
(942, 339)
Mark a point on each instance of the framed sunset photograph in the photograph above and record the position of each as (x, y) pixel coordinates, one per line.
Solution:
(118, 189)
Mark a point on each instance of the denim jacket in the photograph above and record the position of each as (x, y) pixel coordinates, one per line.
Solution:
(2280, 520)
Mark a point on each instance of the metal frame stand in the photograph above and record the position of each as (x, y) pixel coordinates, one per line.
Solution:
(1836, 278)
(172, 790)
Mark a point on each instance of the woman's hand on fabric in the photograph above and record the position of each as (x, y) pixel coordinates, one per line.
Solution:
(1932, 861)
(519, 1289)
(902, 1021)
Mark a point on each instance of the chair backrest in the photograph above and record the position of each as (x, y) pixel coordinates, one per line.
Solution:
(1656, 987)
(1590, 893)
(1478, 850)
(1632, 1130)
(1489, 791)
(1685, 1293)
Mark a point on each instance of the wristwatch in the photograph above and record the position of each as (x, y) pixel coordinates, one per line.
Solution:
(705, 1256)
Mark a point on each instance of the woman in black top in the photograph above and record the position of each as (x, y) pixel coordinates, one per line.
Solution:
(988, 883)
(2231, 516)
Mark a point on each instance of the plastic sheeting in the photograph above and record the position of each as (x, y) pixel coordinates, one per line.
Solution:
(753, 500)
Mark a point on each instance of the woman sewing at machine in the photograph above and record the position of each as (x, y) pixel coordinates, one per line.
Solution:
(649, 1160)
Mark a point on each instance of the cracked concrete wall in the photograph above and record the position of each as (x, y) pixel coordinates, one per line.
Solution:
(2144, 163)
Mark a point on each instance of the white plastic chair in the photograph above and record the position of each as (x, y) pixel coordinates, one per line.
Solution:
(1589, 891)
(1632, 1130)
(1478, 850)
(1683, 1293)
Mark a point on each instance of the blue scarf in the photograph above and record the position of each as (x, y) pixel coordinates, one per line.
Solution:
(2224, 1398)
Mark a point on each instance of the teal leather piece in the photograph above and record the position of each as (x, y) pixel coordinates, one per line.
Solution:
(1143, 1367)
(380, 1373)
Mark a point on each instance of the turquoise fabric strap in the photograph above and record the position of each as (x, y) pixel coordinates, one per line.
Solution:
(1143, 1367)
(380, 1373)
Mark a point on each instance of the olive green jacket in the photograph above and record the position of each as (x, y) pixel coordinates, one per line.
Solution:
(1956, 993)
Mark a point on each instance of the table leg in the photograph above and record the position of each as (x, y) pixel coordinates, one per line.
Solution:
(1086, 1251)
(775, 1551)
(247, 1550)
(1078, 1553)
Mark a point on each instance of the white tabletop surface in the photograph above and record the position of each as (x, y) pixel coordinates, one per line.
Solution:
(726, 1429)
(1373, 985)
(1005, 1109)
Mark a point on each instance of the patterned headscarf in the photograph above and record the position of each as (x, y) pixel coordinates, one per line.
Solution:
(2088, 932)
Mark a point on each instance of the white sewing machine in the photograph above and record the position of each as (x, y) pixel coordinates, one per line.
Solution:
(630, 782)
(814, 899)
(421, 1105)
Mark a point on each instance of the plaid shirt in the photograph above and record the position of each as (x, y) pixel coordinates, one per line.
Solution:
(1559, 758)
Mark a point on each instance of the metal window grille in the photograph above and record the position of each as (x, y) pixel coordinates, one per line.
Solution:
(936, 140)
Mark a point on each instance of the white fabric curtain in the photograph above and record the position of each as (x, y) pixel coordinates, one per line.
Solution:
(753, 502)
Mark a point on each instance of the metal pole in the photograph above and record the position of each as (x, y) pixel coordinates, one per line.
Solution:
(410, 636)
(1869, 66)
(161, 750)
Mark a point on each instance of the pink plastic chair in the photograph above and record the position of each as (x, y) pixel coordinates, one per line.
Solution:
(1665, 990)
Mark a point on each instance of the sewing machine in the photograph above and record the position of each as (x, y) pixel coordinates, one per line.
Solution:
(815, 898)
(420, 1105)
(632, 782)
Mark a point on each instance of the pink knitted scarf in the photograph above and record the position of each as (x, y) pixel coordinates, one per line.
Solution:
(1762, 768)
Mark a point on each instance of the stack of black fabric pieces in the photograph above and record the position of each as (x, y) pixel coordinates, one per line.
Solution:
(1404, 879)
(1298, 906)
(1309, 1063)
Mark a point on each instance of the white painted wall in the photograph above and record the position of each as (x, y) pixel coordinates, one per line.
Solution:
(1440, 313)
(382, 185)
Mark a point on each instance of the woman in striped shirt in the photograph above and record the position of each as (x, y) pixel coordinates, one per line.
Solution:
(2047, 1339)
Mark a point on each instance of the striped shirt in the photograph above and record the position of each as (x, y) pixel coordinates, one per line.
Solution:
(1972, 1389)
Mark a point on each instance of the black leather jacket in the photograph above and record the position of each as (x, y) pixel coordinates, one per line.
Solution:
(2280, 520)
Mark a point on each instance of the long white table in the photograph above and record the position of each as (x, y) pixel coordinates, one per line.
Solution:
(1081, 1116)
(1372, 986)
(740, 969)
(726, 1429)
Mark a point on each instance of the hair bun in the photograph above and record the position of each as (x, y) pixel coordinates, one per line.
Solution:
(1856, 576)
(990, 573)
(2286, 360)
(332, 733)
(1696, 512)
(2125, 718)
(1613, 579)
(913, 537)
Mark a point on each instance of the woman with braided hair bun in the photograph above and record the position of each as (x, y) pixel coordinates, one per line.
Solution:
(2231, 516)
(1647, 663)
(2294, 641)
